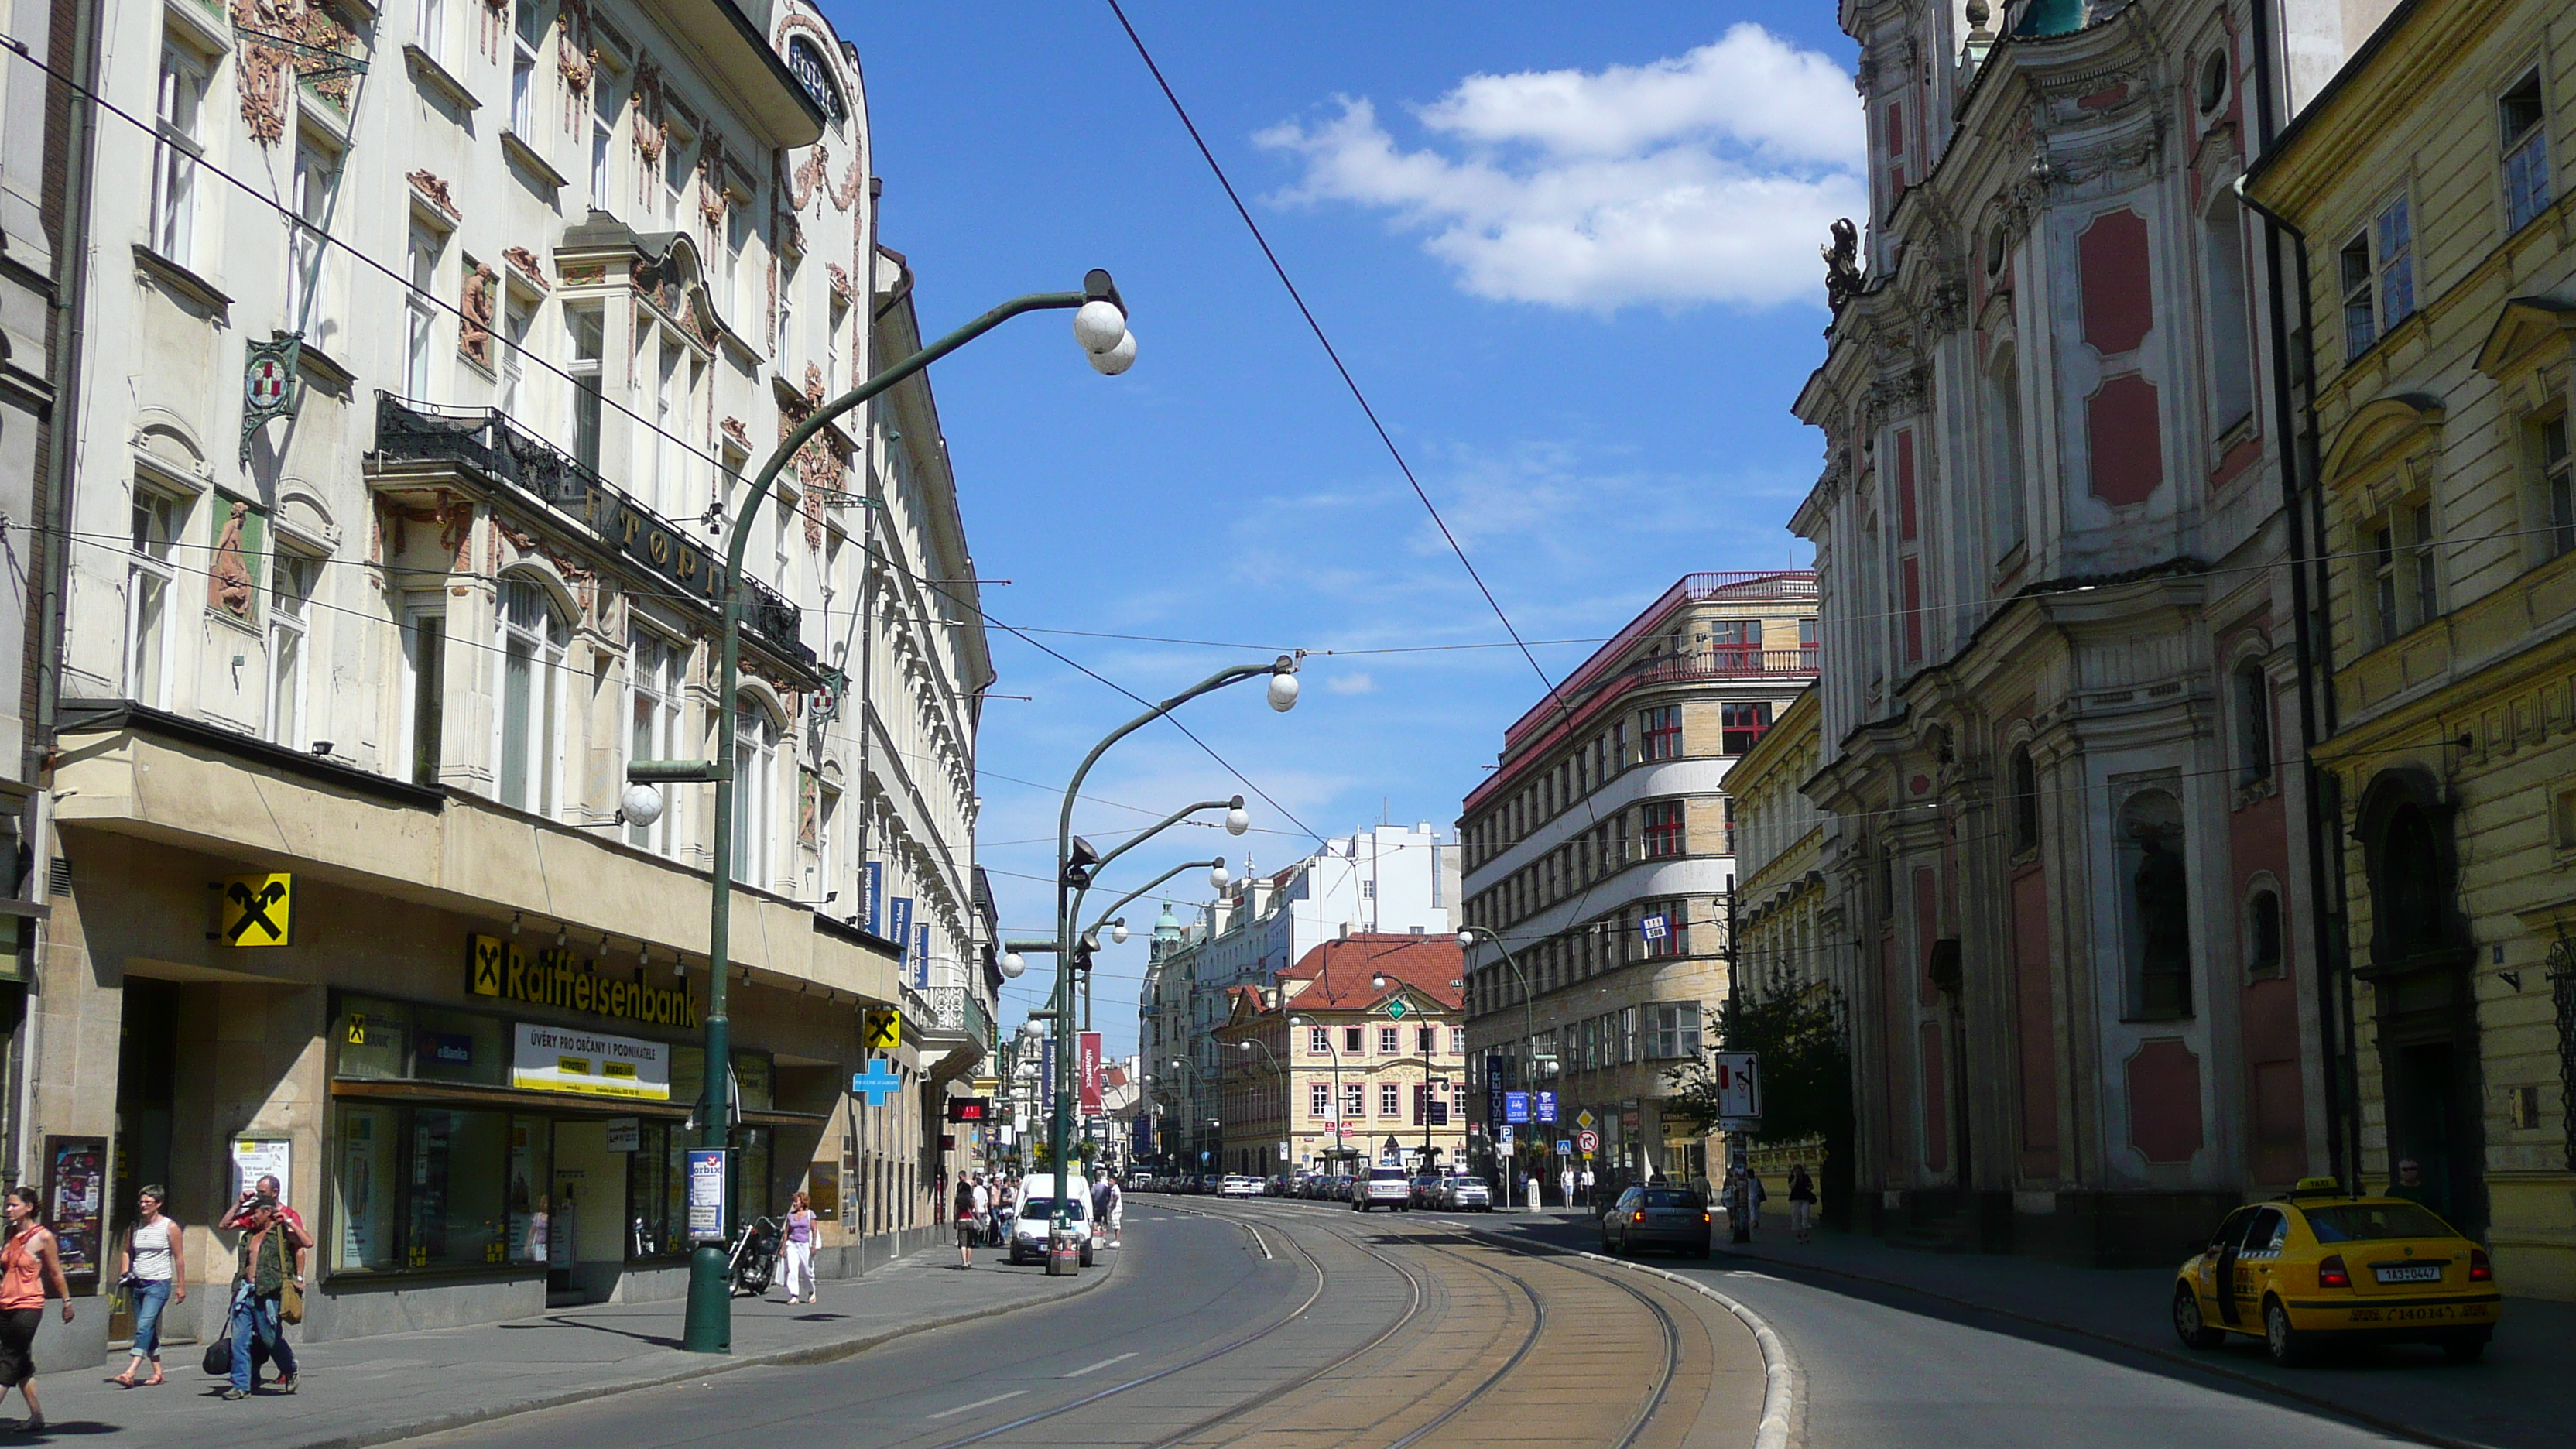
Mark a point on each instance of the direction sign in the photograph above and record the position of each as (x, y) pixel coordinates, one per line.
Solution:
(1739, 1084)
(1396, 1009)
(1588, 1140)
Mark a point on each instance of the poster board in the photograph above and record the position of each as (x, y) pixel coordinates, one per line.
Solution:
(76, 1205)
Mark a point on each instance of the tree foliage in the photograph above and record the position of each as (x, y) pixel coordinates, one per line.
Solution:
(1797, 1028)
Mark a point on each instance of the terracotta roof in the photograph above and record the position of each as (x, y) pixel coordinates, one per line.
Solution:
(1341, 971)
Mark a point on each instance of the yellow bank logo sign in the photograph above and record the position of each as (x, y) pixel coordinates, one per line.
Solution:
(256, 910)
(556, 977)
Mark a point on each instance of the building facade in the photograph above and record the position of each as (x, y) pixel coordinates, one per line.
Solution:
(422, 385)
(1354, 1055)
(1600, 865)
(2061, 719)
(1783, 942)
(2429, 184)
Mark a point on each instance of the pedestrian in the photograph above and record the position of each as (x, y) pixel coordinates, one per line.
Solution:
(1521, 1177)
(29, 1269)
(539, 1227)
(263, 1273)
(2409, 1183)
(967, 1228)
(1116, 1213)
(1565, 1183)
(800, 1248)
(1586, 1180)
(152, 1265)
(1802, 1202)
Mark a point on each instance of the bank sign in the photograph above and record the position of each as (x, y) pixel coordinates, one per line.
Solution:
(556, 977)
(568, 1059)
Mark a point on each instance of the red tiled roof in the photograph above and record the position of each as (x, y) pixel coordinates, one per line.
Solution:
(1341, 971)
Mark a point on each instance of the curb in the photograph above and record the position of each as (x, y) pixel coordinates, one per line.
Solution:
(788, 1357)
(2202, 1363)
(1783, 1387)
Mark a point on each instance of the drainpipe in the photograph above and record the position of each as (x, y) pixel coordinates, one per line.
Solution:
(2313, 645)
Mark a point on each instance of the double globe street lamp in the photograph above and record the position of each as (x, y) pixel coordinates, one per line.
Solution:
(1100, 327)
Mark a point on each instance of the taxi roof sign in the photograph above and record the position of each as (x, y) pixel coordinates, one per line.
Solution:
(2317, 1187)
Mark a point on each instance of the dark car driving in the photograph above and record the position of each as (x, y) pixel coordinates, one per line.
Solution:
(1656, 1217)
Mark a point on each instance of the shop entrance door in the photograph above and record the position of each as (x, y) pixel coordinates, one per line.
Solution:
(146, 1096)
(587, 1248)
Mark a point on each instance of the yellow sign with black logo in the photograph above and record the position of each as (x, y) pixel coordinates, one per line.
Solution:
(256, 910)
(556, 977)
(884, 1030)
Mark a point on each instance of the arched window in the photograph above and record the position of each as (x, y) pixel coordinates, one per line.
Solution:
(2228, 332)
(2253, 723)
(2406, 894)
(2263, 954)
(756, 817)
(533, 637)
(2024, 784)
(2007, 498)
(2155, 897)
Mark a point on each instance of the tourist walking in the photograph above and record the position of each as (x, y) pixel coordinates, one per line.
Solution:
(1584, 1180)
(30, 1269)
(1116, 1214)
(968, 1230)
(264, 1279)
(152, 1265)
(800, 1249)
(1565, 1183)
(1802, 1201)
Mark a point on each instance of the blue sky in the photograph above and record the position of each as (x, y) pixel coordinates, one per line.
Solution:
(1569, 252)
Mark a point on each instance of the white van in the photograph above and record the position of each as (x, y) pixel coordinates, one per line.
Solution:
(1037, 1213)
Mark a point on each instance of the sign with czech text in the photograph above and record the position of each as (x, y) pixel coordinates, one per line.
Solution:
(1087, 1070)
(1545, 1103)
(556, 977)
(1516, 1107)
(707, 1173)
(569, 1059)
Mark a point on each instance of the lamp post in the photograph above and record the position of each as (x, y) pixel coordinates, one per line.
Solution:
(1381, 981)
(1247, 1044)
(1077, 864)
(1540, 1063)
(1335, 1116)
(1100, 325)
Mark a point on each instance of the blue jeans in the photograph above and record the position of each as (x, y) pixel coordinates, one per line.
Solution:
(149, 1300)
(254, 1318)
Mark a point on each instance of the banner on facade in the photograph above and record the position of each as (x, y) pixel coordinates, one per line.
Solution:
(875, 889)
(1493, 1090)
(1087, 1070)
(899, 925)
(564, 1059)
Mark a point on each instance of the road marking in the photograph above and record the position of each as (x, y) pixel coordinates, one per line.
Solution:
(1093, 1368)
(979, 1403)
(1256, 1237)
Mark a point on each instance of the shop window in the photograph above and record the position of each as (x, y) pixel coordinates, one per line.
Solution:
(2523, 122)
(2377, 270)
(1741, 726)
(434, 1188)
(1660, 729)
(1662, 828)
(385, 1040)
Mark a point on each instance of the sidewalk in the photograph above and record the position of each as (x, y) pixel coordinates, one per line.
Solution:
(2522, 1394)
(363, 1391)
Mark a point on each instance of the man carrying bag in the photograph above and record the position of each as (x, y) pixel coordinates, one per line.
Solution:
(264, 1281)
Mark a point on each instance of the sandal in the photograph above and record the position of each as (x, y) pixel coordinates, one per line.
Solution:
(124, 1380)
(151, 1382)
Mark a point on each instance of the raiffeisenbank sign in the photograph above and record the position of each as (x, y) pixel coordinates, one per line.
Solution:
(556, 977)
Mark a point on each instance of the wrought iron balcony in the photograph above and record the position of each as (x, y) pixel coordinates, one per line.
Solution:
(508, 457)
(956, 1009)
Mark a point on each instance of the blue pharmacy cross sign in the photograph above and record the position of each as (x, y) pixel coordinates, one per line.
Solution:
(877, 1082)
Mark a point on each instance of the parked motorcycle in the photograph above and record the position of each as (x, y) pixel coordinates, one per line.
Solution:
(752, 1264)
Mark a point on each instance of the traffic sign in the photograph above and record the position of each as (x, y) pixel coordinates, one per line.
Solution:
(1503, 1138)
(1585, 1118)
(1739, 1084)
(1588, 1140)
(1396, 1009)
(1516, 1106)
(1546, 1104)
(1564, 1148)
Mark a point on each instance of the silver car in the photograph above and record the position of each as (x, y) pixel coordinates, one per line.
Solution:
(1466, 1195)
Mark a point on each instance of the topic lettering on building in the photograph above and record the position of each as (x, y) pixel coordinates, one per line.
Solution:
(556, 977)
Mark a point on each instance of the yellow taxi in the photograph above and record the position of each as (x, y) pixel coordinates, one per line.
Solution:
(2319, 1266)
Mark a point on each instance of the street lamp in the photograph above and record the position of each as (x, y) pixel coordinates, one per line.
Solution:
(1335, 1116)
(1247, 1044)
(1075, 870)
(1380, 982)
(1542, 1064)
(1101, 316)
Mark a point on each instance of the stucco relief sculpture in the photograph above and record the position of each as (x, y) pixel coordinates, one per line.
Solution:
(474, 333)
(229, 585)
(262, 76)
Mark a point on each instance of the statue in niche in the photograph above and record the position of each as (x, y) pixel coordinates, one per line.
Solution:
(474, 334)
(1842, 264)
(229, 585)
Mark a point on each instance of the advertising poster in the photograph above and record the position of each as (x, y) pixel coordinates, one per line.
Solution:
(1087, 1070)
(566, 1059)
(707, 1169)
(875, 889)
(258, 1157)
(1046, 1076)
(76, 1201)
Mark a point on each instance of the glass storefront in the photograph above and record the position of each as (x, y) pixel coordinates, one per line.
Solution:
(435, 1187)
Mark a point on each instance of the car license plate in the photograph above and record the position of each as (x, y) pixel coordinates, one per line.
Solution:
(2407, 1272)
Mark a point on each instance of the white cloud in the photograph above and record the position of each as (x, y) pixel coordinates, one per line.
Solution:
(1355, 682)
(1707, 177)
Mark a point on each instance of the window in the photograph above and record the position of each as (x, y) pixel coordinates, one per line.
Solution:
(2555, 483)
(1663, 828)
(176, 152)
(429, 27)
(307, 252)
(2025, 801)
(1672, 1030)
(588, 328)
(657, 359)
(676, 146)
(533, 638)
(1351, 1040)
(755, 793)
(1660, 731)
(290, 599)
(1319, 1099)
(420, 314)
(1386, 1041)
(424, 690)
(656, 672)
(517, 315)
(2402, 568)
(1353, 1107)
(2231, 346)
(2523, 121)
(1318, 1040)
(2156, 899)
(1457, 1041)
(524, 38)
(147, 597)
(806, 64)
(834, 320)
(2253, 723)
(2377, 268)
(737, 240)
(2011, 521)
(1741, 726)
(1390, 1099)
(605, 106)
(2263, 933)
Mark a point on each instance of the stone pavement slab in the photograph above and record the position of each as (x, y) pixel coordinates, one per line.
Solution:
(365, 1391)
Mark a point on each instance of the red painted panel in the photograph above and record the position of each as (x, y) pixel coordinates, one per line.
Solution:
(1891, 987)
(1906, 527)
(2118, 297)
(2104, 100)
(1936, 1101)
(2123, 440)
(1927, 924)
(2164, 1101)
(1910, 579)
(2035, 1022)
(2280, 1122)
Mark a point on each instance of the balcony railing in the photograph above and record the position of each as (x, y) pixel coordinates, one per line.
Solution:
(954, 1008)
(488, 442)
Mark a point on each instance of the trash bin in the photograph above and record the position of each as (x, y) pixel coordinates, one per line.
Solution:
(1064, 1254)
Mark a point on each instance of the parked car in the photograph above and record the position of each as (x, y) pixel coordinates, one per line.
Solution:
(1423, 1191)
(1235, 1184)
(1029, 1229)
(1656, 1217)
(1342, 1187)
(1384, 1187)
(1463, 1194)
(2318, 1267)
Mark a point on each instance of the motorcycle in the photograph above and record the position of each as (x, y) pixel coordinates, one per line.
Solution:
(752, 1263)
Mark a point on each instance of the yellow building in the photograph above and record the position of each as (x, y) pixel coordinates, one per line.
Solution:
(2442, 319)
(1779, 839)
